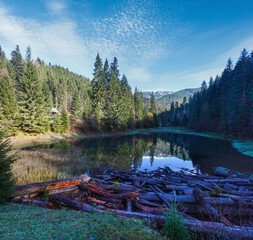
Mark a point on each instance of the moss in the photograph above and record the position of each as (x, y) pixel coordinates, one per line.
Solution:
(244, 147)
(29, 222)
(116, 184)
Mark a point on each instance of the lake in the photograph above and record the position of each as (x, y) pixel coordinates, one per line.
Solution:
(142, 151)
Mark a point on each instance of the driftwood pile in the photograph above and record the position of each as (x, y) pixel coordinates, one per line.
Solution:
(219, 205)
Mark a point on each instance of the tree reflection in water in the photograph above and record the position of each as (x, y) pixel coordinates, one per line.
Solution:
(126, 152)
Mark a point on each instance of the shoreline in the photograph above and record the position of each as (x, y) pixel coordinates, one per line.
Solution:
(242, 145)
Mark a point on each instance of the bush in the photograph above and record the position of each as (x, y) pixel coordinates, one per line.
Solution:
(6, 177)
(174, 227)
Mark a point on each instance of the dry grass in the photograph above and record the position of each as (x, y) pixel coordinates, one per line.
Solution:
(49, 164)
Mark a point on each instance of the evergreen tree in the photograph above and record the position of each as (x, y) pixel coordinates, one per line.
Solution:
(31, 102)
(106, 71)
(2, 58)
(8, 103)
(114, 67)
(98, 89)
(76, 110)
(226, 105)
(65, 121)
(6, 177)
(17, 63)
(57, 125)
(153, 104)
(48, 97)
(28, 54)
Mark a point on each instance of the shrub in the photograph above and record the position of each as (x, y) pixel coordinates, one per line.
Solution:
(174, 227)
(6, 177)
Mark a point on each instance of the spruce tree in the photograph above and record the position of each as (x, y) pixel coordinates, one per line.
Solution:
(152, 104)
(76, 110)
(114, 67)
(2, 58)
(98, 89)
(17, 63)
(65, 121)
(31, 102)
(6, 177)
(9, 108)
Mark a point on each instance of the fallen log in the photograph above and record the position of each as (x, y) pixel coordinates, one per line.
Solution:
(213, 212)
(231, 211)
(160, 196)
(191, 200)
(148, 203)
(35, 189)
(94, 188)
(108, 205)
(146, 209)
(110, 200)
(38, 203)
(67, 202)
(217, 229)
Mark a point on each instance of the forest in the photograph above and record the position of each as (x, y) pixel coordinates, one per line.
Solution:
(29, 90)
(225, 106)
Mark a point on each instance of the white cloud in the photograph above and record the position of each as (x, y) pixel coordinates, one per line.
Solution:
(56, 41)
(55, 6)
(136, 31)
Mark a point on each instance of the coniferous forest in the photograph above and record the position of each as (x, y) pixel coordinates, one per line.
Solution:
(225, 106)
(30, 90)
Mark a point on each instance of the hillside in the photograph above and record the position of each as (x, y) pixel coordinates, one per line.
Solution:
(157, 94)
(176, 96)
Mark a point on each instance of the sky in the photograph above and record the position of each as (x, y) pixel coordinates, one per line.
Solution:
(159, 44)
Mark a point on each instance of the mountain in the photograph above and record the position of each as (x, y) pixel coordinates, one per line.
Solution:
(176, 96)
(157, 94)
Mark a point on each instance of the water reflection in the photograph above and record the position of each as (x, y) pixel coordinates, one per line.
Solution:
(157, 150)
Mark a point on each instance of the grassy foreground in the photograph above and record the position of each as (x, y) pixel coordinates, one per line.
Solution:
(30, 222)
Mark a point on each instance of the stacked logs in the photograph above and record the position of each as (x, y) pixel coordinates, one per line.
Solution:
(209, 204)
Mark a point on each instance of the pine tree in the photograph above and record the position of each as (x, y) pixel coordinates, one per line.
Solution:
(17, 63)
(113, 104)
(98, 89)
(6, 177)
(76, 110)
(2, 58)
(106, 72)
(31, 102)
(9, 107)
(28, 54)
(114, 67)
(153, 104)
(57, 125)
(127, 114)
(65, 121)
(48, 97)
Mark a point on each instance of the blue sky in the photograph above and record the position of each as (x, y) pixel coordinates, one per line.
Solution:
(160, 45)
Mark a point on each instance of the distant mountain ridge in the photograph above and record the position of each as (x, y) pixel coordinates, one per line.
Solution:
(157, 94)
(176, 96)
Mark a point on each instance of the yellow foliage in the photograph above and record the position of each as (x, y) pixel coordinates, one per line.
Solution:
(150, 116)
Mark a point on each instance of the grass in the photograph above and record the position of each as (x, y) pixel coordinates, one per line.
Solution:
(50, 164)
(30, 222)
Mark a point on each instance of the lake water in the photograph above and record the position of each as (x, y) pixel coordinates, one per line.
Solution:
(150, 151)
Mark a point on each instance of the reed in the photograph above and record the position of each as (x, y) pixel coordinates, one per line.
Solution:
(49, 164)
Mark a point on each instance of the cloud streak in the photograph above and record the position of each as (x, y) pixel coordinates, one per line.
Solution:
(56, 41)
(136, 32)
(55, 7)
